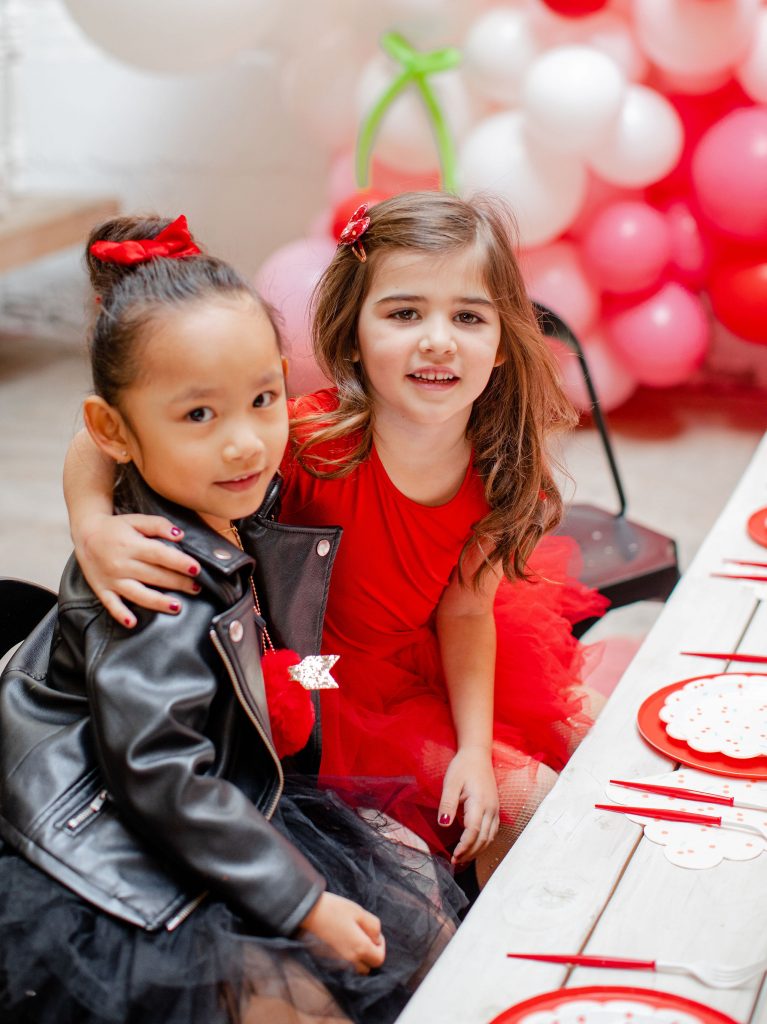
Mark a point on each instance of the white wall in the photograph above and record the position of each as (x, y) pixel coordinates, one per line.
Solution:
(217, 145)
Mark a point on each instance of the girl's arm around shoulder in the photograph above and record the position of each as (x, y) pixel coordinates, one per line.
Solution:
(466, 634)
(151, 692)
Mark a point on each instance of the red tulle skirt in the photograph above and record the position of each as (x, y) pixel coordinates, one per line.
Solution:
(391, 718)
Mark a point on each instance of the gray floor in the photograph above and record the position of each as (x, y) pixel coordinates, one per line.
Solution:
(680, 453)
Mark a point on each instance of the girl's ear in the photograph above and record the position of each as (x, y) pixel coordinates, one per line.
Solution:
(500, 356)
(107, 428)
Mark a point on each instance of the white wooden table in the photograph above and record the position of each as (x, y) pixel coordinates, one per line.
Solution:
(582, 880)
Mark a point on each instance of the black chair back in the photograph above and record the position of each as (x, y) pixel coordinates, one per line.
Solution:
(22, 606)
(622, 559)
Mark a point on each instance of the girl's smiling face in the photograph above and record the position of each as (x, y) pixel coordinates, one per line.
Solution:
(206, 419)
(428, 336)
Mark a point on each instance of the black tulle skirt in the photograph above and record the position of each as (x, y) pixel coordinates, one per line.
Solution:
(62, 961)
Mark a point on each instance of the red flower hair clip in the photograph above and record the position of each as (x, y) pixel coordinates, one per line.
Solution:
(173, 242)
(358, 224)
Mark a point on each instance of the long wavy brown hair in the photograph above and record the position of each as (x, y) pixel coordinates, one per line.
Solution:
(522, 406)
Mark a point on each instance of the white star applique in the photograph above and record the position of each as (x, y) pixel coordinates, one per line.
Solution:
(313, 672)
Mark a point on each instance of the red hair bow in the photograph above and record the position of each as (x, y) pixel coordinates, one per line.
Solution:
(358, 224)
(173, 242)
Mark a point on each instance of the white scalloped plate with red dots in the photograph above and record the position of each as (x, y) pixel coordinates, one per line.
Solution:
(724, 714)
(610, 1004)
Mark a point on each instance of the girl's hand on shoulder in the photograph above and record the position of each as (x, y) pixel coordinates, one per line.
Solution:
(352, 932)
(121, 561)
(470, 781)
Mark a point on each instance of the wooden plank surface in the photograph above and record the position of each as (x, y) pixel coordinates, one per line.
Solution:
(584, 880)
(35, 226)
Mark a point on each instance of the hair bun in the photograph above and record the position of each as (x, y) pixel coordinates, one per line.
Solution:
(104, 276)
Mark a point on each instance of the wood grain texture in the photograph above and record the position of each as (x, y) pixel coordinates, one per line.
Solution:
(35, 226)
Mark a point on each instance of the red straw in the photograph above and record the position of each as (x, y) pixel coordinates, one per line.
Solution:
(663, 813)
(683, 794)
(733, 576)
(757, 659)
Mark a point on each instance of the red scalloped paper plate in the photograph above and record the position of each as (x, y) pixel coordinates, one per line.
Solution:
(611, 993)
(757, 526)
(654, 732)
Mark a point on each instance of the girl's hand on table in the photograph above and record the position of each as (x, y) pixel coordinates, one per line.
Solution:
(352, 932)
(470, 781)
(121, 561)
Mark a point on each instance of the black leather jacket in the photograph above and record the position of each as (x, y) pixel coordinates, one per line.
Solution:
(136, 766)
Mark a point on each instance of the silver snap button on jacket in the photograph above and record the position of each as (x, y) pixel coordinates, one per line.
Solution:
(323, 547)
(236, 631)
(222, 554)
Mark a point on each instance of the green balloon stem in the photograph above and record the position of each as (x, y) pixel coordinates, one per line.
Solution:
(417, 67)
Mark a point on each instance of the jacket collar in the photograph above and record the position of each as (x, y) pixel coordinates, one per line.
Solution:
(207, 546)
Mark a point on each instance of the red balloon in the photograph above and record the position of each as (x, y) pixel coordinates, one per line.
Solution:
(575, 8)
(390, 180)
(738, 294)
(343, 211)
(698, 114)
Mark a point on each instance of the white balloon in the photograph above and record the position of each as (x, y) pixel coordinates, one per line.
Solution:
(644, 143)
(752, 72)
(571, 96)
(498, 51)
(545, 189)
(692, 85)
(405, 139)
(174, 35)
(605, 30)
(691, 37)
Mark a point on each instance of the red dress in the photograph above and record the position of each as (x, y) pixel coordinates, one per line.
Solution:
(390, 717)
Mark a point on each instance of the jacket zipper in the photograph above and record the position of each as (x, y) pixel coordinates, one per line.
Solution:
(180, 916)
(93, 807)
(254, 720)
(186, 910)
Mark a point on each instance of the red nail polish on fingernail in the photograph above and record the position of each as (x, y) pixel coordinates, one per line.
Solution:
(444, 819)
(175, 532)
(193, 570)
(174, 606)
(128, 622)
(196, 588)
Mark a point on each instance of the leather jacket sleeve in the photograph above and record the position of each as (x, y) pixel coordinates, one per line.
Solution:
(151, 698)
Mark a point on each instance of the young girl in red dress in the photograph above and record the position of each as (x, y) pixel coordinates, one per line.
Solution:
(452, 617)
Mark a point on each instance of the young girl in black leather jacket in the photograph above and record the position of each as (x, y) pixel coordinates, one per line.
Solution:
(156, 863)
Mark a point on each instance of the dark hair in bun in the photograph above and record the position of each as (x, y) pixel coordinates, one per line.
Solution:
(134, 297)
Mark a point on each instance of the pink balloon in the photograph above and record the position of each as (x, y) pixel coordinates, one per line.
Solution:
(555, 276)
(729, 174)
(691, 255)
(613, 382)
(627, 247)
(663, 339)
(287, 280)
(599, 194)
